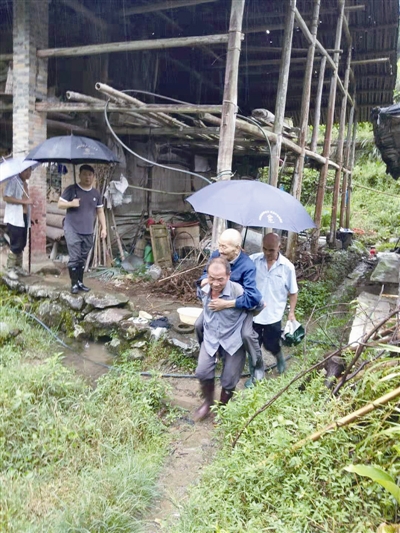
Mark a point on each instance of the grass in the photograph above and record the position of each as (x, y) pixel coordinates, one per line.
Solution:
(74, 459)
(262, 485)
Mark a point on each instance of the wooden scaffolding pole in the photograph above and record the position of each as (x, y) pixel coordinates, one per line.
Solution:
(339, 158)
(350, 176)
(347, 153)
(318, 101)
(304, 116)
(229, 106)
(328, 132)
(146, 44)
(281, 94)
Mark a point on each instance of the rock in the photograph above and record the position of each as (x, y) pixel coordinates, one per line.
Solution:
(135, 354)
(75, 302)
(5, 331)
(189, 348)
(49, 271)
(103, 301)
(52, 314)
(130, 330)
(78, 332)
(99, 323)
(154, 272)
(14, 285)
(42, 291)
(387, 269)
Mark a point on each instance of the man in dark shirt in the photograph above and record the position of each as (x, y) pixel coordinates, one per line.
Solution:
(83, 203)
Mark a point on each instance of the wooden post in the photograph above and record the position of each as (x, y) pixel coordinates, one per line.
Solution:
(353, 155)
(318, 100)
(229, 106)
(343, 202)
(328, 132)
(281, 94)
(339, 159)
(305, 111)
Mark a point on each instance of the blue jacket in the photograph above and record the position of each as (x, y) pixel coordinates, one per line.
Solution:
(243, 272)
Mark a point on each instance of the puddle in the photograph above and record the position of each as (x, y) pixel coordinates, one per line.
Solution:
(89, 359)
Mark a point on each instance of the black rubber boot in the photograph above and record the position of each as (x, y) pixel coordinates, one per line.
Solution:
(81, 286)
(74, 275)
(207, 390)
(226, 395)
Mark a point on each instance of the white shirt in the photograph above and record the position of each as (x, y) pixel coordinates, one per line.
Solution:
(14, 213)
(274, 285)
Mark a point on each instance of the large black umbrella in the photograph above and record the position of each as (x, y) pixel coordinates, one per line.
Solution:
(252, 203)
(72, 149)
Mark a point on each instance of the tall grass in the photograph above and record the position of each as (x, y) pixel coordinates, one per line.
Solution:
(74, 459)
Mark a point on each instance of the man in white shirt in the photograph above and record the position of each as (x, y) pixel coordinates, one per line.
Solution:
(17, 216)
(276, 280)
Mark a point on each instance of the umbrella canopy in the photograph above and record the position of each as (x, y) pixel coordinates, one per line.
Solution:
(252, 203)
(13, 166)
(72, 149)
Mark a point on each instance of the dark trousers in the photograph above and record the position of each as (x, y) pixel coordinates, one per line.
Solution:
(249, 337)
(232, 366)
(79, 246)
(18, 237)
(269, 335)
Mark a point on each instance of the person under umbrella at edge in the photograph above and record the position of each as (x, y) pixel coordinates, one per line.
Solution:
(275, 279)
(83, 203)
(17, 216)
(222, 336)
(243, 272)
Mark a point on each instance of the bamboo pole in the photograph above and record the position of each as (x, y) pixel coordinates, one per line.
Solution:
(328, 132)
(119, 243)
(229, 106)
(68, 127)
(125, 46)
(339, 158)
(317, 110)
(255, 132)
(305, 111)
(83, 107)
(281, 94)
(346, 163)
(350, 176)
(348, 419)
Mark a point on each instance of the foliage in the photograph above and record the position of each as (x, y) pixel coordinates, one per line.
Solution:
(73, 458)
(263, 485)
(378, 475)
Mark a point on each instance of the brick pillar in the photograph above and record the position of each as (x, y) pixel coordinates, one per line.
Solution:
(30, 32)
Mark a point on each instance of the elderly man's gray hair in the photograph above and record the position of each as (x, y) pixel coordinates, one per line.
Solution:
(233, 236)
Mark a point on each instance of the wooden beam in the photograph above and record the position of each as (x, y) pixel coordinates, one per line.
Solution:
(81, 107)
(86, 13)
(165, 131)
(6, 57)
(333, 63)
(370, 61)
(281, 93)
(72, 128)
(162, 6)
(318, 100)
(146, 44)
(328, 131)
(339, 150)
(229, 107)
(343, 202)
(304, 119)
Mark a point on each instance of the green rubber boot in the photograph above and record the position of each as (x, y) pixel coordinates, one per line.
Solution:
(280, 362)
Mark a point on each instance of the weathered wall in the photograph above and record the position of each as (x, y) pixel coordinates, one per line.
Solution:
(30, 32)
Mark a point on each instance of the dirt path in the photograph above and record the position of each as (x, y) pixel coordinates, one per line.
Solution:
(192, 447)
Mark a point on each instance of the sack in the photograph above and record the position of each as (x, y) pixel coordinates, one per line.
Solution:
(293, 333)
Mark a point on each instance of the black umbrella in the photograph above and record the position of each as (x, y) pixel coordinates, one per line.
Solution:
(72, 149)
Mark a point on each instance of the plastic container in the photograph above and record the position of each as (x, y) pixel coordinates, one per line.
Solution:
(148, 257)
(189, 315)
